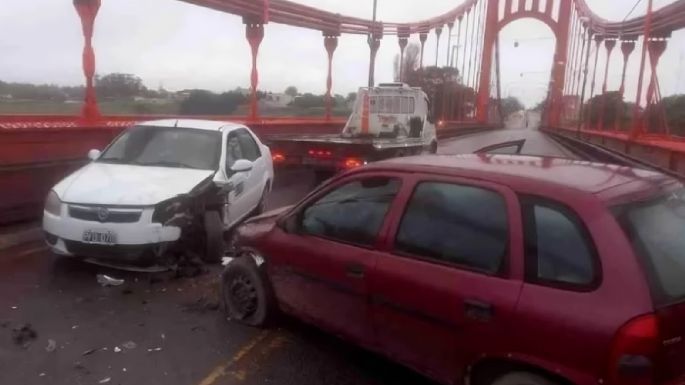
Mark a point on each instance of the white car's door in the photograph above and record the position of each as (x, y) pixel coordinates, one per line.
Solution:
(236, 202)
(256, 179)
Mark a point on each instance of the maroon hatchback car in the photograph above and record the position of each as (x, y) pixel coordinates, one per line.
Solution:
(482, 269)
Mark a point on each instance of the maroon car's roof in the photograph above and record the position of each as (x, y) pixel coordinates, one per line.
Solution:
(608, 182)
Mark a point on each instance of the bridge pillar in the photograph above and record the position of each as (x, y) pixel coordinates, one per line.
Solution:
(609, 44)
(656, 48)
(438, 33)
(254, 32)
(450, 27)
(374, 44)
(491, 32)
(627, 48)
(87, 11)
(330, 41)
(423, 36)
(562, 31)
(403, 40)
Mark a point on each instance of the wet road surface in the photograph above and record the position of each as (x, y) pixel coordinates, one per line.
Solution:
(157, 328)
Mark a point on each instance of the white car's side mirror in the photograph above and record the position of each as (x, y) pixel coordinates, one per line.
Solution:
(94, 154)
(241, 165)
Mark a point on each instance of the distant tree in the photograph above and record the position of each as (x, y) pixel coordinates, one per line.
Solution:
(511, 105)
(203, 102)
(449, 98)
(669, 113)
(412, 61)
(351, 97)
(614, 108)
(309, 100)
(291, 91)
(118, 85)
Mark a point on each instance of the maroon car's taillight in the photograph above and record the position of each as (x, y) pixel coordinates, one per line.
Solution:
(634, 351)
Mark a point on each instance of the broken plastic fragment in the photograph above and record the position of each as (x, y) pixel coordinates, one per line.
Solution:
(105, 380)
(105, 280)
(154, 350)
(129, 345)
(52, 345)
(117, 349)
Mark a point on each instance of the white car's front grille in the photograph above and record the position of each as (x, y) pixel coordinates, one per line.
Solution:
(105, 214)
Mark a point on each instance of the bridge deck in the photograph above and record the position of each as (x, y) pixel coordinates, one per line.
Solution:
(63, 302)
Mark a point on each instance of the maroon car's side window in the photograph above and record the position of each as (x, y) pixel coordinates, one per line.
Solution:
(456, 224)
(558, 247)
(352, 213)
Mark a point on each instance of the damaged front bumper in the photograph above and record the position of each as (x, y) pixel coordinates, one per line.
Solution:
(141, 243)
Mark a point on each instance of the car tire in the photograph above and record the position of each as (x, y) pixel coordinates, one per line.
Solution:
(522, 378)
(247, 294)
(214, 237)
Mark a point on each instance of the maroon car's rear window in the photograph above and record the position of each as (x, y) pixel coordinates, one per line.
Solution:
(656, 229)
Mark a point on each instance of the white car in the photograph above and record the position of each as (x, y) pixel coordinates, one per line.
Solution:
(160, 190)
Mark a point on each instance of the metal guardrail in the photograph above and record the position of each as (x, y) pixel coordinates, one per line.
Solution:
(663, 154)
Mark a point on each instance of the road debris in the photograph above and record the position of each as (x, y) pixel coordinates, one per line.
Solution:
(158, 349)
(105, 380)
(52, 345)
(106, 280)
(80, 367)
(201, 305)
(117, 349)
(226, 260)
(24, 335)
(129, 345)
(90, 351)
(41, 375)
(14, 308)
(127, 291)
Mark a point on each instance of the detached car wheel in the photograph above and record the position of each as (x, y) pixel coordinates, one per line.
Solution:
(247, 294)
(522, 378)
(214, 237)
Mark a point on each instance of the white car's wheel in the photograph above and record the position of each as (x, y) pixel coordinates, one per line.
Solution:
(214, 237)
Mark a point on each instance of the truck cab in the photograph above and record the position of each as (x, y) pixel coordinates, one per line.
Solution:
(391, 110)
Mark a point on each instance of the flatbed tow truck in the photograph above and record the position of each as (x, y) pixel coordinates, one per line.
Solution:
(388, 121)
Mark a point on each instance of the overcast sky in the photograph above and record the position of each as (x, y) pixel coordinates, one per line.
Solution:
(178, 46)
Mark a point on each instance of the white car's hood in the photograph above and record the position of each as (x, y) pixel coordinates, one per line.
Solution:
(116, 184)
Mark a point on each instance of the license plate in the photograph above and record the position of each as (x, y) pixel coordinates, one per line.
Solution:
(99, 237)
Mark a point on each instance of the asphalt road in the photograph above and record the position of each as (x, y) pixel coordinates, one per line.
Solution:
(157, 328)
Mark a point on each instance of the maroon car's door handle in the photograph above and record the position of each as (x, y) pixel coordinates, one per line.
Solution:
(478, 310)
(354, 270)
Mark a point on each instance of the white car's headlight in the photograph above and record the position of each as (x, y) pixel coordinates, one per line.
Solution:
(52, 204)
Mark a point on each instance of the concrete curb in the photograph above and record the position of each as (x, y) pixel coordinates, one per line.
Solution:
(21, 236)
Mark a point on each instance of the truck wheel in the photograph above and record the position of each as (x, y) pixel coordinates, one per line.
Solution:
(433, 148)
(522, 378)
(214, 237)
(247, 294)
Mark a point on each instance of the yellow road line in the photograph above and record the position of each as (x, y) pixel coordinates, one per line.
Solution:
(229, 367)
(31, 251)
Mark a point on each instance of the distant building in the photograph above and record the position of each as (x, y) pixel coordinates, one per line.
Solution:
(277, 100)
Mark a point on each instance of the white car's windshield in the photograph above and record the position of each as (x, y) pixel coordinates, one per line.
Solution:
(166, 147)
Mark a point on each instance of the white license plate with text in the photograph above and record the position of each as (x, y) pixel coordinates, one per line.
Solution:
(99, 237)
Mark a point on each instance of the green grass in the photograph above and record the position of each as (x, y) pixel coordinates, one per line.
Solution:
(131, 107)
(114, 107)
